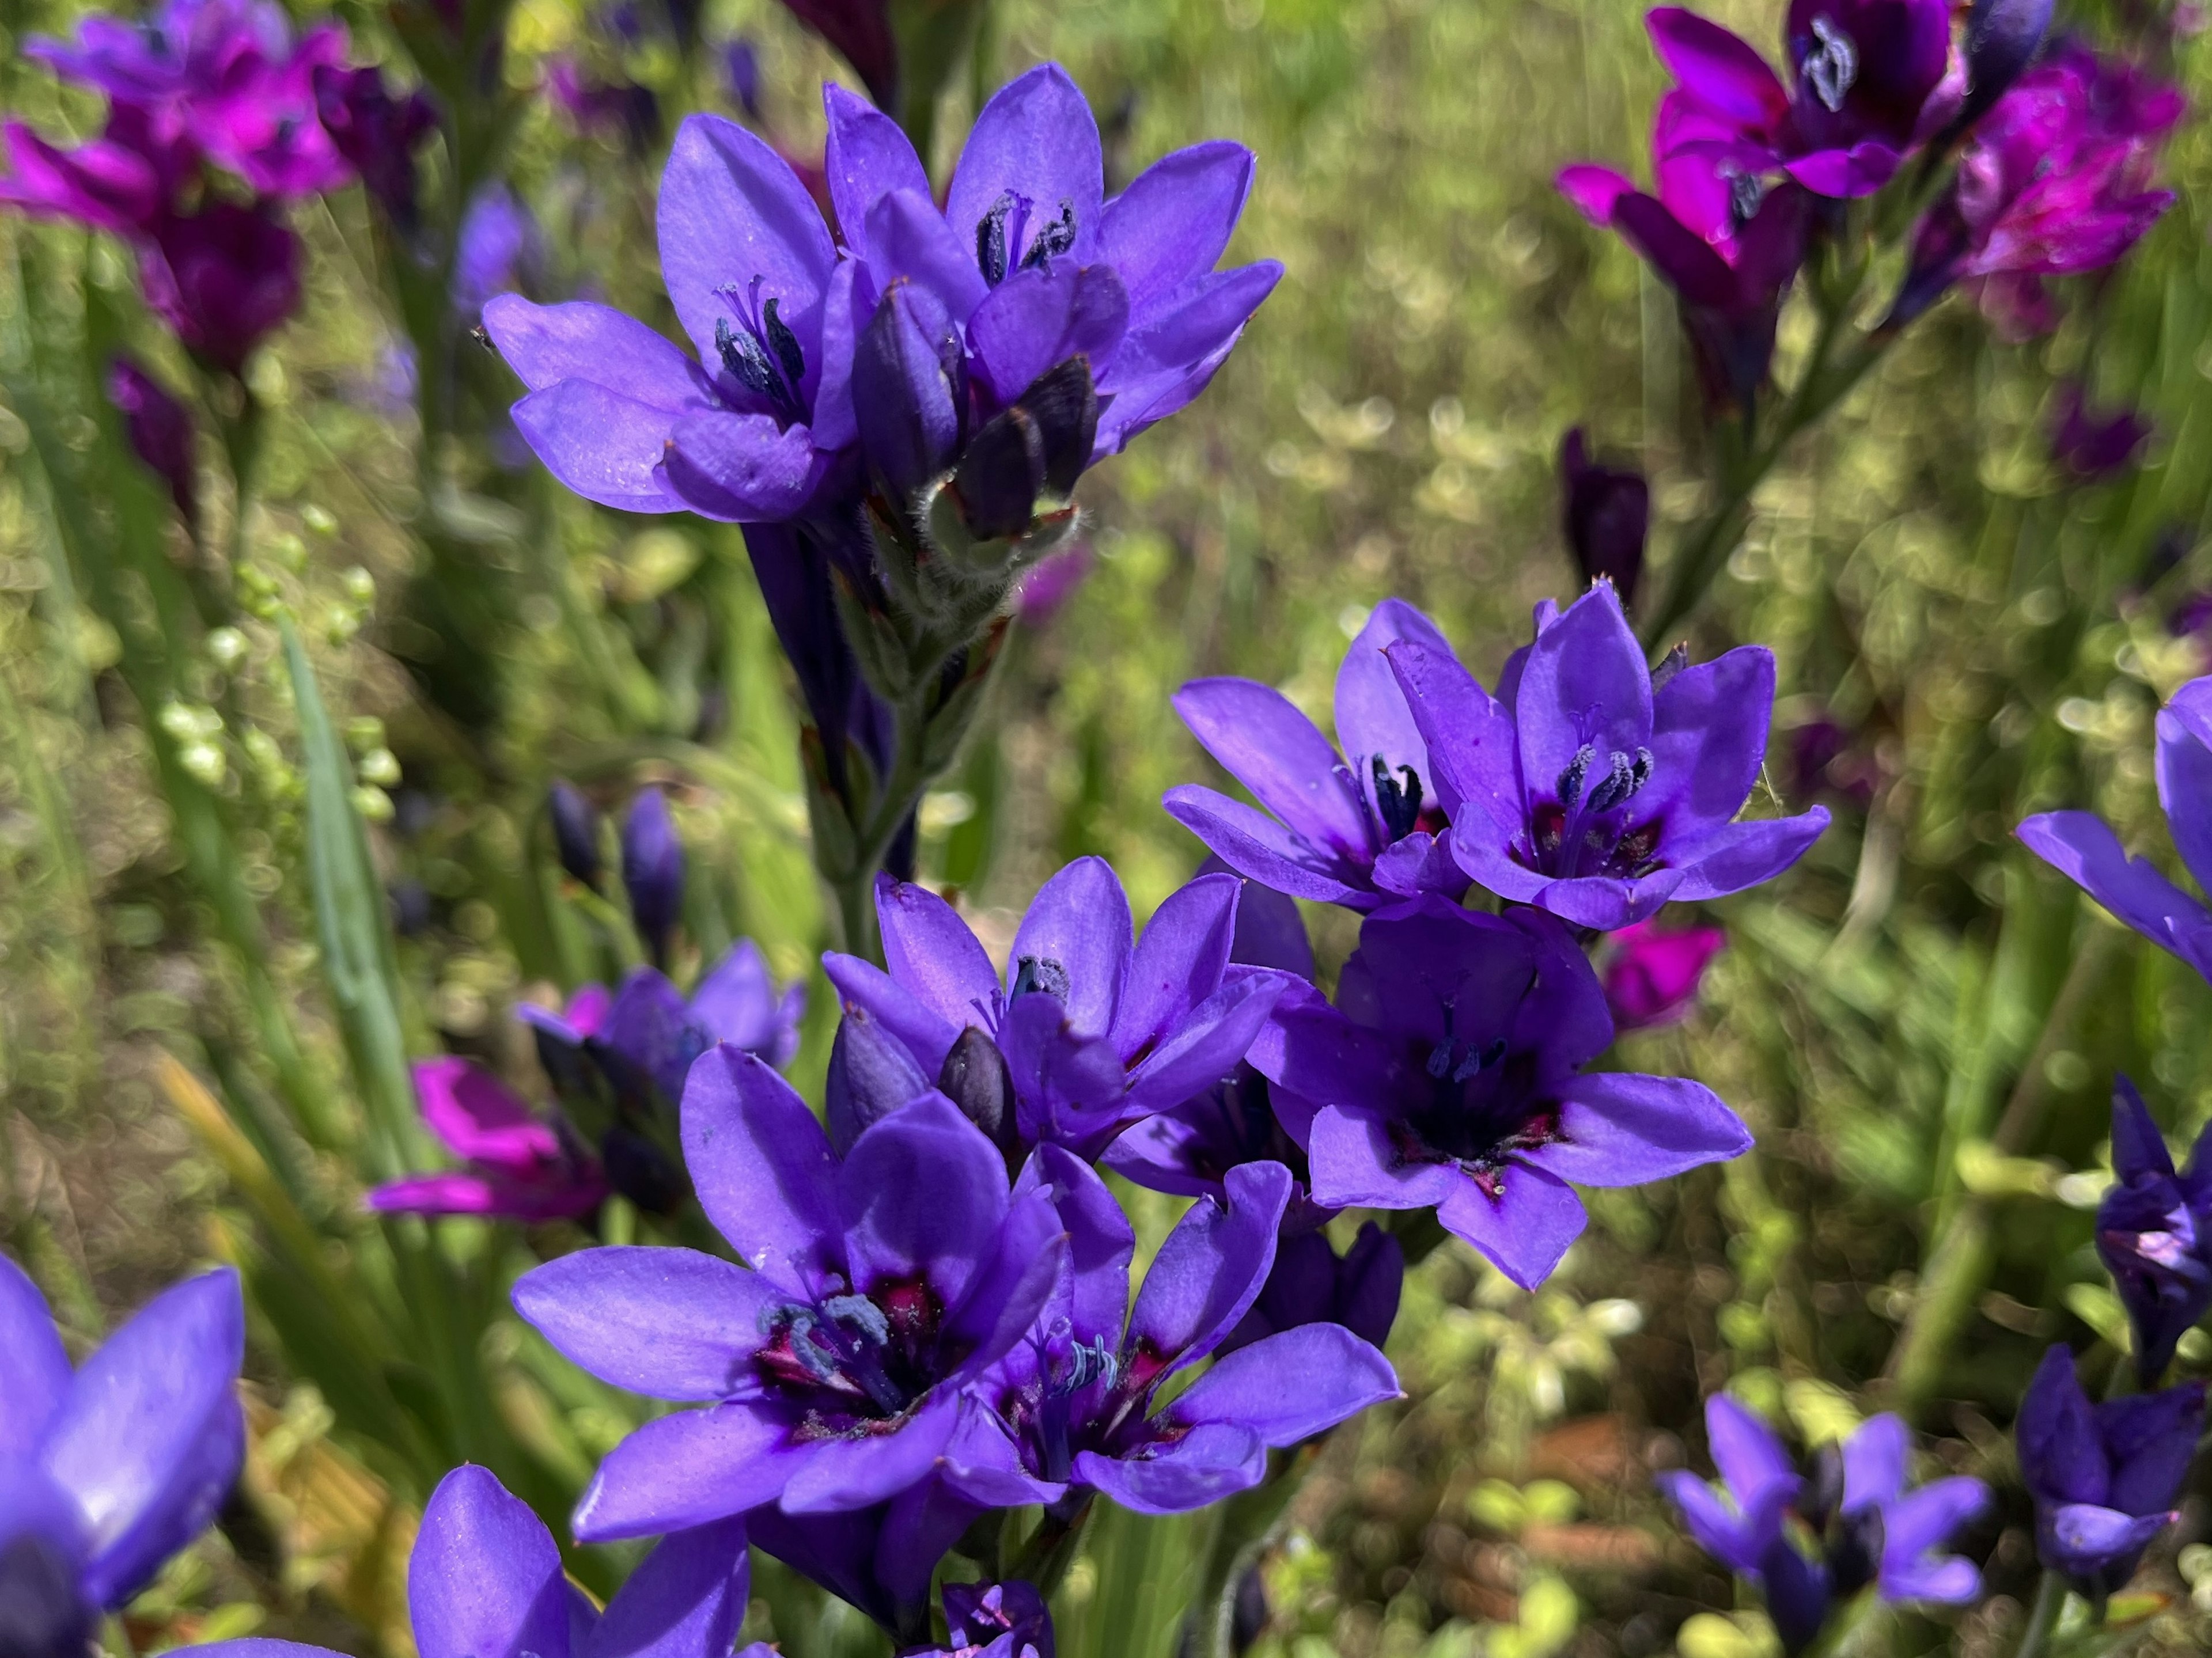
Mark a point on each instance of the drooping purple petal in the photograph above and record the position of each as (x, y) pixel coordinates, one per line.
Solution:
(1525, 1228)
(484, 1581)
(605, 447)
(667, 1323)
(1291, 1386)
(1254, 844)
(686, 1470)
(1742, 855)
(1214, 1459)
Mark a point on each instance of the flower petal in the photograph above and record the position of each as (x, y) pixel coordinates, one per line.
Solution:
(1585, 682)
(934, 955)
(1212, 1461)
(484, 1581)
(1354, 1161)
(736, 1001)
(2184, 775)
(1170, 354)
(1212, 1268)
(921, 1196)
(1037, 140)
(908, 237)
(1100, 1240)
(1594, 190)
(732, 211)
(1178, 962)
(1742, 855)
(742, 467)
(926, 1033)
(841, 1474)
(1525, 1228)
(1039, 318)
(605, 447)
(1720, 67)
(1175, 220)
(545, 344)
(687, 1470)
(1616, 1128)
(1220, 1032)
(1080, 919)
(470, 1110)
(685, 1599)
(664, 1322)
(865, 158)
(1291, 1386)
(34, 1368)
(1275, 751)
(1709, 740)
(2084, 849)
(1255, 845)
(764, 1171)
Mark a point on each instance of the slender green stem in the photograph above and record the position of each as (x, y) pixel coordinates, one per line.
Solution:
(2043, 1617)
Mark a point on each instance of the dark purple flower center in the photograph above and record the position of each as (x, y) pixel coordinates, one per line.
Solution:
(1237, 1125)
(1001, 230)
(1483, 1101)
(1086, 1396)
(854, 1365)
(1397, 809)
(1833, 64)
(761, 353)
(42, 1615)
(1586, 831)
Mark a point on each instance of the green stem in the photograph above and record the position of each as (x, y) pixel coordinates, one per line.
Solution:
(2050, 1596)
(901, 793)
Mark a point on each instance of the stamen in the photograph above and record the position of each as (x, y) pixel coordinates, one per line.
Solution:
(1054, 240)
(1475, 1063)
(1441, 1057)
(1038, 974)
(1400, 804)
(1746, 192)
(991, 240)
(786, 345)
(747, 364)
(1094, 1361)
(859, 1310)
(1570, 779)
(1831, 66)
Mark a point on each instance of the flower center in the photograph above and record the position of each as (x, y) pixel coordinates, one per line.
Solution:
(761, 353)
(1586, 832)
(1833, 64)
(854, 1364)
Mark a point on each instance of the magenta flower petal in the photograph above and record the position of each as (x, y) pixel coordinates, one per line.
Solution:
(473, 1112)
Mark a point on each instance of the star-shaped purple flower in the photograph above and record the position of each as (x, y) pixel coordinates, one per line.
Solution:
(1592, 786)
(752, 428)
(108, 1469)
(2104, 1477)
(2083, 848)
(1356, 822)
(1086, 1034)
(1449, 1076)
(1078, 1404)
(2154, 1232)
(486, 1577)
(829, 1366)
(1028, 264)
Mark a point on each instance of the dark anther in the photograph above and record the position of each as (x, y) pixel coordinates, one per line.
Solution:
(1477, 1060)
(1036, 973)
(1622, 780)
(991, 240)
(1669, 664)
(785, 345)
(1401, 805)
(747, 362)
(1570, 779)
(1746, 191)
(1831, 66)
(1054, 240)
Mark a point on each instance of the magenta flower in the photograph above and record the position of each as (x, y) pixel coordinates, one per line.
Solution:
(753, 428)
(110, 1467)
(122, 181)
(376, 133)
(1085, 1033)
(515, 1165)
(2094, 444)
(224, 279)
(1448, 1075)
(161, 433)
(1651, 977)
(2056, 180)
(227, 76)
(1594, 786)
(830, 1366)
(1362, 826)
(486, 1578)
(1083, 1401)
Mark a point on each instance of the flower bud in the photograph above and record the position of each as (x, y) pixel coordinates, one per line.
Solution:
(1606, 511)
(908, 390)
(1038, 447)
(871, 1075)
(653, 870)
(161, 432)
(975, 1078)
(575, 831)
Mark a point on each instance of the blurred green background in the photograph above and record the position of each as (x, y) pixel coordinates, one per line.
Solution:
(1920, 1023)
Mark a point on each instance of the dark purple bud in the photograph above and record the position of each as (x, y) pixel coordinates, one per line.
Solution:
(42, 1614)
(909, 391)
(575, 831)
(223, 278)
(741, 74)
(1250, 1613)
(1606, 511)
(975, 1077)
(653, 870)
(1038, 446)
(2003, 37)
(377, 133)
(871, 1074)
(161, 432)
(1797, 1595)
(861, 31)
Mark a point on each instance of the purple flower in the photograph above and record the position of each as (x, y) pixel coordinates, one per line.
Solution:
(2083, 847)
(499, 243)
(2094, 445)
(1310, 1283)
(2104, 1477)
(1028, 267)
(1651, 978)
(1087, 1033)
(626, 419)
(1078, 1404)
(122, 181)
(485, 1577)
(1362, 828)
(880, 1558)
(515, 1166)
(1044, 588)
(223, 278)
(1593, 787)
(861, 32)
(113, 1466)
(1865, 72)
(161, 433)
(2056, 179)
(1004, 1620)
(1866, 1527)
(1727, 242)
(227, 74)
(830, 1366)
(1606, 510)
(2154, 1232)
(376, 133)
(1448, 1075)
(652, 869)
